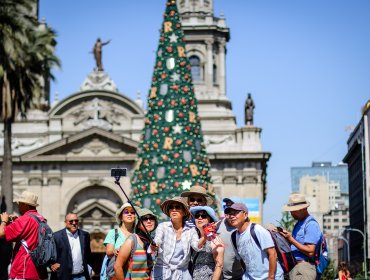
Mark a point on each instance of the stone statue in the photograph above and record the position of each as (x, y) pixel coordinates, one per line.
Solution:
(98, 53)
(249, 108)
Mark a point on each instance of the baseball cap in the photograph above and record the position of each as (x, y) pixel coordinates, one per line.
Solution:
(236, 206)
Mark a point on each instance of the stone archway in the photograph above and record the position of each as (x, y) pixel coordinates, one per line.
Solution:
(96, 207)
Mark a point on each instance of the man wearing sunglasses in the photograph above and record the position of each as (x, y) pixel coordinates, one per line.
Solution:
(73, 250)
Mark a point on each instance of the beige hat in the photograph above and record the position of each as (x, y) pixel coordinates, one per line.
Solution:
(168, 202)
(198, 190)
(297, 201)
(119, 211)
(28, 198)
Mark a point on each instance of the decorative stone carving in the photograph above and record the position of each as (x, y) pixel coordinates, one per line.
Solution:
(98, 80)
(217, 141)
(98, 113)
(96, 214)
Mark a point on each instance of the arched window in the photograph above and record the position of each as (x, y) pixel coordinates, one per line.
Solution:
(195, 68)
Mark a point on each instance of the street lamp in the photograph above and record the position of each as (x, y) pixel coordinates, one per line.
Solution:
(347, 243)
(363, 236)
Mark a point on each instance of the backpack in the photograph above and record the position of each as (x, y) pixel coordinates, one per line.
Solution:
(107, 269)
(45, 252)
(284, 253)
(321, 256)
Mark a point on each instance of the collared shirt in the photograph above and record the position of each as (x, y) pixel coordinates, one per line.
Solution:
(165, 238)
(24, 228)
(74, 243)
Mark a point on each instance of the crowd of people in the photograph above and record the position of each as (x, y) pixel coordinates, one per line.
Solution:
(193, 244)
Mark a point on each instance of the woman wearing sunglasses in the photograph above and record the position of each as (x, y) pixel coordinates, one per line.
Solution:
(133, 261)
(125, 217)
(174, 239)
(207, 264)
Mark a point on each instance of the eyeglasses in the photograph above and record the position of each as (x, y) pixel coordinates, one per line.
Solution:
(193, 199)
(126, 212)
(148, 218)
(73, 221)
(175, 206)
(203, 216)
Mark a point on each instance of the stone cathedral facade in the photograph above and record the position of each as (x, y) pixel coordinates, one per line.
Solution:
(64, 153)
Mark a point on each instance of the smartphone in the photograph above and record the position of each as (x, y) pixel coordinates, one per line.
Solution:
(280, 229)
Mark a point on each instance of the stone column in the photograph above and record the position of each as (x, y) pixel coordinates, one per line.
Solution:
(209, 70)
(222, 66)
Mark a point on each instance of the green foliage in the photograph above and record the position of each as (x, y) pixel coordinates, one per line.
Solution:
(287, 221)
(26, 55)
(172, 155)
(330, 273)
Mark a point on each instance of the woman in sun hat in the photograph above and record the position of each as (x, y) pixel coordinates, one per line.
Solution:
(207, 264)
(136, 263)
(174, 240)
(125, 217)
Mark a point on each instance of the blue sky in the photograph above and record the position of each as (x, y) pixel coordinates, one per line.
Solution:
(306, 64)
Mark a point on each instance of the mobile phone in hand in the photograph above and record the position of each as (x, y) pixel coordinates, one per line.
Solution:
(280, 229)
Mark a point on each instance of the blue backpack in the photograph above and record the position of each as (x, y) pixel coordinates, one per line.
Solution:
(321, 256)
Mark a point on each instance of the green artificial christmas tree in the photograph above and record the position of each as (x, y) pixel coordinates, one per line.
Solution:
(172, 155)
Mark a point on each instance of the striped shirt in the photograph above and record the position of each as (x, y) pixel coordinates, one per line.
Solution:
(138, 268)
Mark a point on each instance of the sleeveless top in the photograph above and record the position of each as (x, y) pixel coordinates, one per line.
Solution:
(138, 267)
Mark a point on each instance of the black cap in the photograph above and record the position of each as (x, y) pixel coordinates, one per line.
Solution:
(228, 200)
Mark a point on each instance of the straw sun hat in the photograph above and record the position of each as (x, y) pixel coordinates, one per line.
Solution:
(198, 190)
(297, 201)
(179, 200)
(28, 198)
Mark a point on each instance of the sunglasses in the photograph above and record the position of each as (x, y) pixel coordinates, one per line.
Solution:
(175, 206)
(203, 216)
(193, 199)
(233, 213)
(73, 221)
(126, 212)
(148, 218)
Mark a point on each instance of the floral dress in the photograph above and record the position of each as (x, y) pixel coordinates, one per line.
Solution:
(204, 264)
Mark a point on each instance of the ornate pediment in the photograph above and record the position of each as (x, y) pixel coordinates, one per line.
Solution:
(93, 143)
(97, 113)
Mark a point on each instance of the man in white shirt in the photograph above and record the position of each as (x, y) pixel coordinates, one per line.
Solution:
(73, 250)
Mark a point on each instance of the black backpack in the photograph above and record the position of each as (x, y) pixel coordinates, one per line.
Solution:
(282, 247)
(45, 252)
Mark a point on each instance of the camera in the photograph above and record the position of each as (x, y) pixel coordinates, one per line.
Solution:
(118, 172)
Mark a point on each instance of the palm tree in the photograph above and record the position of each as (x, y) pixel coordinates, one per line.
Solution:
(26, 55)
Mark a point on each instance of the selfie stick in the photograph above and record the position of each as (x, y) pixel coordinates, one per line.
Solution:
(117, 178)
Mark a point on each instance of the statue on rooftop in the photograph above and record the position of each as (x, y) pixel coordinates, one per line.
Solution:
(249, 108)
(98, 53)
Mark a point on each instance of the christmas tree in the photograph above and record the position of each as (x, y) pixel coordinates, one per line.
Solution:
(172, 155)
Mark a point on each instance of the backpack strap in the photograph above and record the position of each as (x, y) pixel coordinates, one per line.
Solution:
(233, 241)
(23, 242)
(134, 245)
(254, 236)
(35, 217)
(115, 235)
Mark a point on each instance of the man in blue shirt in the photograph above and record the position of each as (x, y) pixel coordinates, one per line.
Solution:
(306, 234)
